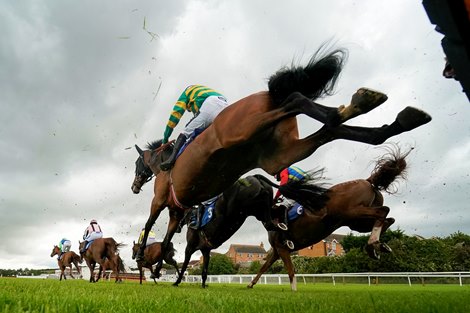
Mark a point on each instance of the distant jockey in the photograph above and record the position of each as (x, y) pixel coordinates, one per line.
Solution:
(152, 238)
(92, 232)
(64, 246)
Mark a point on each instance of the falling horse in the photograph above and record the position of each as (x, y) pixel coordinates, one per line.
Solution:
(357, 204)
(260, 131)
(100, 250)
(250, 196)
(66, 260)
(153, 254)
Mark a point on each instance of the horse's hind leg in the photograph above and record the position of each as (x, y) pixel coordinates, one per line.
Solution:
(272, 257)
(408, 119)
(363, 101)
(206, 255)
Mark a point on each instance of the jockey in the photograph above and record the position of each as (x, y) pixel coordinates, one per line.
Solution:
(205, 103)
(92, 232)
(281, 206)
(64, 246)
(152, 238)
(292, 173)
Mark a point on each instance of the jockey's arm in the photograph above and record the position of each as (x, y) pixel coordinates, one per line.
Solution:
(175, 116)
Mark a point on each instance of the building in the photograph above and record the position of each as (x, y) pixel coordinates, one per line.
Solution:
(245, 254)
(330, 246)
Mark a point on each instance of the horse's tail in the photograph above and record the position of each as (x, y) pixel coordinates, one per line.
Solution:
(316, 79)
(122, 268)
(309, 192)
(76, 258)
(388, 168)
(170, 252)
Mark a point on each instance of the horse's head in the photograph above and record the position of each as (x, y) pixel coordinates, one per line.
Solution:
(135, 249)
(148, 163)
(55, 251)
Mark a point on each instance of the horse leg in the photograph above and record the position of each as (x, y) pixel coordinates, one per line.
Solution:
(387, 223)
(285, 256)
(188, 252)
(70, 265)
(378, 214)
(91, 266)
(156, 207)
(363, 101)
(175, 218)
(115, 267)
(206, 255)
(272, 257)
(408, 119)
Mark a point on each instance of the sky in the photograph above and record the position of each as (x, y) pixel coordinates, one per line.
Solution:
(81, 82)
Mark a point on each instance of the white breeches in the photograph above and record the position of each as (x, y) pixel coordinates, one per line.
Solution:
(211, 107)
(94, 235)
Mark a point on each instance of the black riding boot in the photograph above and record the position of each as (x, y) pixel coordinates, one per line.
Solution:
(168, 164)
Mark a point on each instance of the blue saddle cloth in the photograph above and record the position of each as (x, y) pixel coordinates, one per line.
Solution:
(294, 212)
(207, 215)
(195, 133)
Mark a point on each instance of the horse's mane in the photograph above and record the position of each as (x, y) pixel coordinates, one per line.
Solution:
(318, 78)
(154, 144)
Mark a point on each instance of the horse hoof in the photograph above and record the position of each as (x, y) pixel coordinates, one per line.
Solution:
(410, 118)
(372, 252)
(385, 248)
(362, 101)
(282, 226)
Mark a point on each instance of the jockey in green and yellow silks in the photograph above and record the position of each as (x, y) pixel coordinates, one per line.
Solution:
(205, 104)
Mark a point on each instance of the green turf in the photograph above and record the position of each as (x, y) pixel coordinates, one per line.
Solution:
(28, 295)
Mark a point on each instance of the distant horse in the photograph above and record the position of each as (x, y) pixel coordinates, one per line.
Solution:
(108, 265)
(357, 204)
(153, 254)
(67, 259)
(260, 131)
(248, 196)
(100, 250)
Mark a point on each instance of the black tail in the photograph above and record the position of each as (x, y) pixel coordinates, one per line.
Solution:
(122, 268)
(388, 168)
(307, 191)
(316, 79)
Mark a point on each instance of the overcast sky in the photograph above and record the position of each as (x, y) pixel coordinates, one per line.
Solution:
(81, 81)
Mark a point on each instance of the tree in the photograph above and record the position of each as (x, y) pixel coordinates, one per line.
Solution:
(220, 264)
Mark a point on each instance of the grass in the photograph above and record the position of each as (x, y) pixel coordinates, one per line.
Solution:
(30, 295)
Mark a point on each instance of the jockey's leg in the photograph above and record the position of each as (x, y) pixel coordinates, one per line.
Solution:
(168, 164)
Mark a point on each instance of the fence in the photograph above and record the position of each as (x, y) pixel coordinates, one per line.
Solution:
(334, 278)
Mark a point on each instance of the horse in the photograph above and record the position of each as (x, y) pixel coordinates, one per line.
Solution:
(260, 131)
(152, 254)
(100, 250)
(357, 204)
(108, 265)
(67, 259)
(248, 196)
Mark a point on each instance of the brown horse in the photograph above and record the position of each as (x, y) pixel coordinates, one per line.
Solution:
(152, 255)
(108, 265)
(67, 259)
(357, 204)
(100, 250)
(260, 131)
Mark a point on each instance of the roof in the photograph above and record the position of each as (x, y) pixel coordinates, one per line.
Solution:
(452, 19)
(248, 249)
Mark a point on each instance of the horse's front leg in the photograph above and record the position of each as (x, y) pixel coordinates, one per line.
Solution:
(272, 257)
(175, 219)
(156, 208)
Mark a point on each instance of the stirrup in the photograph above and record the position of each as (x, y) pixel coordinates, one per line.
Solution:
(289, 244)
(166, 166)
(282, 226)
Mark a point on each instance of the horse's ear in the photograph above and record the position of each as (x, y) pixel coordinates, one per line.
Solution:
(133, 242)
(141, 153)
